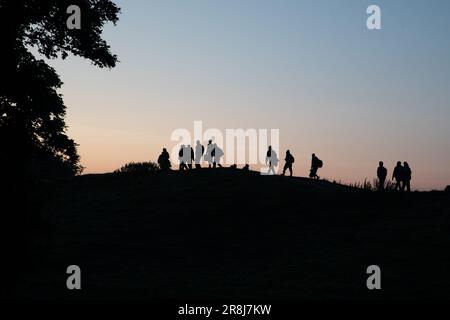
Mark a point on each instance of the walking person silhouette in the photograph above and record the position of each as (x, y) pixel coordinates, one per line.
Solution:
(289, 161)
(398, 175)
(316, 163)
(407, 173)
(217, 153)
(209, 153)
(381, 174)
(272, 159)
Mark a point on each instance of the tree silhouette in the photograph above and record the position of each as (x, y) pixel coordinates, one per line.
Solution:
(34, 146)
(32, 126)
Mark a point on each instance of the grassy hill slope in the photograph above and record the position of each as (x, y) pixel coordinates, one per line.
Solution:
(230, 234)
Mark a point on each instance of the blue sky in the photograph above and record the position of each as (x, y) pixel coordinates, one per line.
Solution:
(310, 68)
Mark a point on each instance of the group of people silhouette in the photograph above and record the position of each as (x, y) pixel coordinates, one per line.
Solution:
(213, 155)
(272, 160)
(186, 156)
(402, 175)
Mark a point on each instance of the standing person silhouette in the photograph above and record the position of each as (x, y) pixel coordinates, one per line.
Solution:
(181, 157)
(289, 161)
(209, 153)
(272, 159)
(397, 175)
(199, 151)
(189, 156)
(407, 173)
(381, 174)
(164, 160)
(316, 163)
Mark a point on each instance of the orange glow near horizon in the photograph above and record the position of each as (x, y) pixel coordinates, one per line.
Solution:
(105, 150)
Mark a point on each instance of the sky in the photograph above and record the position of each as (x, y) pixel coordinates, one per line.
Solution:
(311, 69)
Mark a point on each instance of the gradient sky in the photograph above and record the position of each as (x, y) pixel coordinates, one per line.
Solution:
(310, 68)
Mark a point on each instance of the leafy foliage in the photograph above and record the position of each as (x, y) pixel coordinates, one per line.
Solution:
(138, 167)
(32, 126)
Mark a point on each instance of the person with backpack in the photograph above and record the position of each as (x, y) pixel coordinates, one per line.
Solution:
(316, 163)
(397, 175)
(381, 174)
(289, 161)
